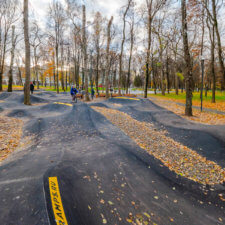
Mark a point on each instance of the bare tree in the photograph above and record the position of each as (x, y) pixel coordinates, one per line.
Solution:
(108, 57)
(212, 11)
(153, 7)
(162, 46)
(84, 45)
(131, 50)
(35, 42)
(97, 36)
(122, 43)
(8, 16)
(211, 28)
(12, 60)
(57, 16)
(27, 55)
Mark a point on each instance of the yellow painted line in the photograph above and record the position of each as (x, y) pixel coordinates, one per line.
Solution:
(136, 99)
(57, 206)
(61, 103)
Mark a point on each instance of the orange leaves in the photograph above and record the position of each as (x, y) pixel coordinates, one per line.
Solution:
(50, 69)
(198, 116)
(177, 157)
(10, 134)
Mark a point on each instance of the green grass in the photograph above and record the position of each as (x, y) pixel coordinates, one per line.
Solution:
(52, 89)
(220, 96)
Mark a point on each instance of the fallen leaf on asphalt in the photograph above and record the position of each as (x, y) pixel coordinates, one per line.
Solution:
(177, 157)
(89, 207)
(133, 203)
(102, 201)
(87, 177)
(222, 197)
(129, 220)
(147, 215)
(156, 197)
(139, 216)
(104, 221)
(110, 202)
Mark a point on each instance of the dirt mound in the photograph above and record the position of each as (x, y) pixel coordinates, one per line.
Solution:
(124, 100)
(54, 107)
(98, 104)
(45, 94)
(5, 95)
(19, 113)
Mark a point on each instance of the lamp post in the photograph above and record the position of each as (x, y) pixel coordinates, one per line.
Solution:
(202, 65)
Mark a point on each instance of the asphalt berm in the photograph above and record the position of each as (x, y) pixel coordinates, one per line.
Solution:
(103, 176)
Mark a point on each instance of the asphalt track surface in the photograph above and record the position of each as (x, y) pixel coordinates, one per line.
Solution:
(103, 176)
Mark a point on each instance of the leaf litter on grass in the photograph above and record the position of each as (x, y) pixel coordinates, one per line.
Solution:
(177, 157)
(205, 117)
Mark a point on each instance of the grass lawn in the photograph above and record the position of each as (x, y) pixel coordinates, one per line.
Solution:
(220, 96)
(219, 105)
(15, 87)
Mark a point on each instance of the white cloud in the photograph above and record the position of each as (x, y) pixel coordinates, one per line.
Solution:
(108, 8)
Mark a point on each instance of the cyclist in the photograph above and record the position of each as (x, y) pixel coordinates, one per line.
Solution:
(73, 92)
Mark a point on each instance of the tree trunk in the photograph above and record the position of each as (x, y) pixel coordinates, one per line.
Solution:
(3, 60)
(131, 53)
(36, 68)
(108, 60)
(176, 77)
(167, 74)
(77, 74)
(213, 66)
(57, 67)
(220, 52)
(187, 58)
(62, 68)
(20, 76)
(27, 55)
(122, 46)
(12, 60)
(66, 79)
(97, 71)
(148, 49)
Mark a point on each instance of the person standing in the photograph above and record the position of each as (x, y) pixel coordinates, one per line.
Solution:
(92, 93)
(31, 88)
